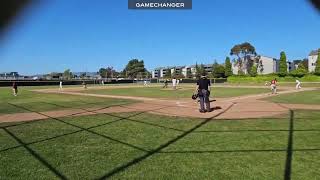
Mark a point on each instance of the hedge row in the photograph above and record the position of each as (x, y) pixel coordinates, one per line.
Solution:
(264, 78)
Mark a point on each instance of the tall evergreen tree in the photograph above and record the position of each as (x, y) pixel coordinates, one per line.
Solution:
(197, 74)
(317, 70)
(228, 67)
(283, 67)
(202, 70)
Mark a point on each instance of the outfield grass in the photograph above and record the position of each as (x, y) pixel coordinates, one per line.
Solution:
(45, 102)
(182, 92)
(304, 97)
(146, 146)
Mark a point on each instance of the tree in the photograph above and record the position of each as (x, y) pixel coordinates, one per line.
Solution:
(305, 63)
(317, 70)
(300, 71)
(243, 51)
(253, 71)
(218, 70)
(188, 73)
(67, 74)
(83, 75)
(103, 72)
(202, 70)
(283, 67)
(228, 67)
(168, 73)
(109, 72)
(134, 67)
(197, 74)
(258, 62)
(147, 74)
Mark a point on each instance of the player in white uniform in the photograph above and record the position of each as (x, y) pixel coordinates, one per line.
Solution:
(298, 84)
(60, 86)
(145, 83)
(174, 83)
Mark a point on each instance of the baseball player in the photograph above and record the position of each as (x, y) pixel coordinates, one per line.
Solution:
(174, 83)
(274, 86)
(298, 84)
(145, 83)
(84, 84)
(60, 86)
(15, 88)
(165, 83)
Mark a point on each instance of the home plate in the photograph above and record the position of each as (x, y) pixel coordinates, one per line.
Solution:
(178, 103)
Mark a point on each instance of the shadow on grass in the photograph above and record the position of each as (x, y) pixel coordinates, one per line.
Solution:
(42, 160)
(287, 173)
(150, 153)
(289, 150)
(36, 155)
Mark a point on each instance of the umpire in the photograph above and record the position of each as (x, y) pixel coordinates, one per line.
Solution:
(203, 90)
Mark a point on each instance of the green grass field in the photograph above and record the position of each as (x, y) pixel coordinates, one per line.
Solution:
(146, 146)
(305, 97)
(46, 102)
(182, 92)
(139, 145)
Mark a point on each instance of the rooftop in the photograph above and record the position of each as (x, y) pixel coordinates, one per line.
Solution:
(314, 52)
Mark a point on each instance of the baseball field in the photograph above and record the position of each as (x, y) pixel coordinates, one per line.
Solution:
(137, 132)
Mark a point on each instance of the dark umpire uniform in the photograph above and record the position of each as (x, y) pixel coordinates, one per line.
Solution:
(204, 93)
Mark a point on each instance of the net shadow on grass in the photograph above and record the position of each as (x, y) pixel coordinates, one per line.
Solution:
(132, 120)
(36, 155)
(93, 111)
(289, 151)
(151, 153)
(89, 129)
(43, 161)
(73, 114)
(288, 168)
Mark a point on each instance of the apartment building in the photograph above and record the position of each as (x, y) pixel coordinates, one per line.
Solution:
(312, 59)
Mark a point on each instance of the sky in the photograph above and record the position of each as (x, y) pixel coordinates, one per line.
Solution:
(83, 35)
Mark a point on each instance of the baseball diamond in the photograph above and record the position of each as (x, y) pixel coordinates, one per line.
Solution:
(68, 133)
(160, 89)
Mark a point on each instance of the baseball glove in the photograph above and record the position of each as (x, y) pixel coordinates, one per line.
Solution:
(194, 96)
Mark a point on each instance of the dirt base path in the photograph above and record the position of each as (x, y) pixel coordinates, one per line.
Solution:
(243, 107)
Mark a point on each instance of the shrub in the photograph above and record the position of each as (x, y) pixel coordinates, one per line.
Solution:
(269, 77)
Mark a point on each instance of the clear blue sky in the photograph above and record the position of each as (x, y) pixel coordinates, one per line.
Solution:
(86, 35)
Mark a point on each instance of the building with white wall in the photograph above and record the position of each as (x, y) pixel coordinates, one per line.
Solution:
(156, 73)
(290, 66)
(312, 59)
(265, 65)
(161, 71)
